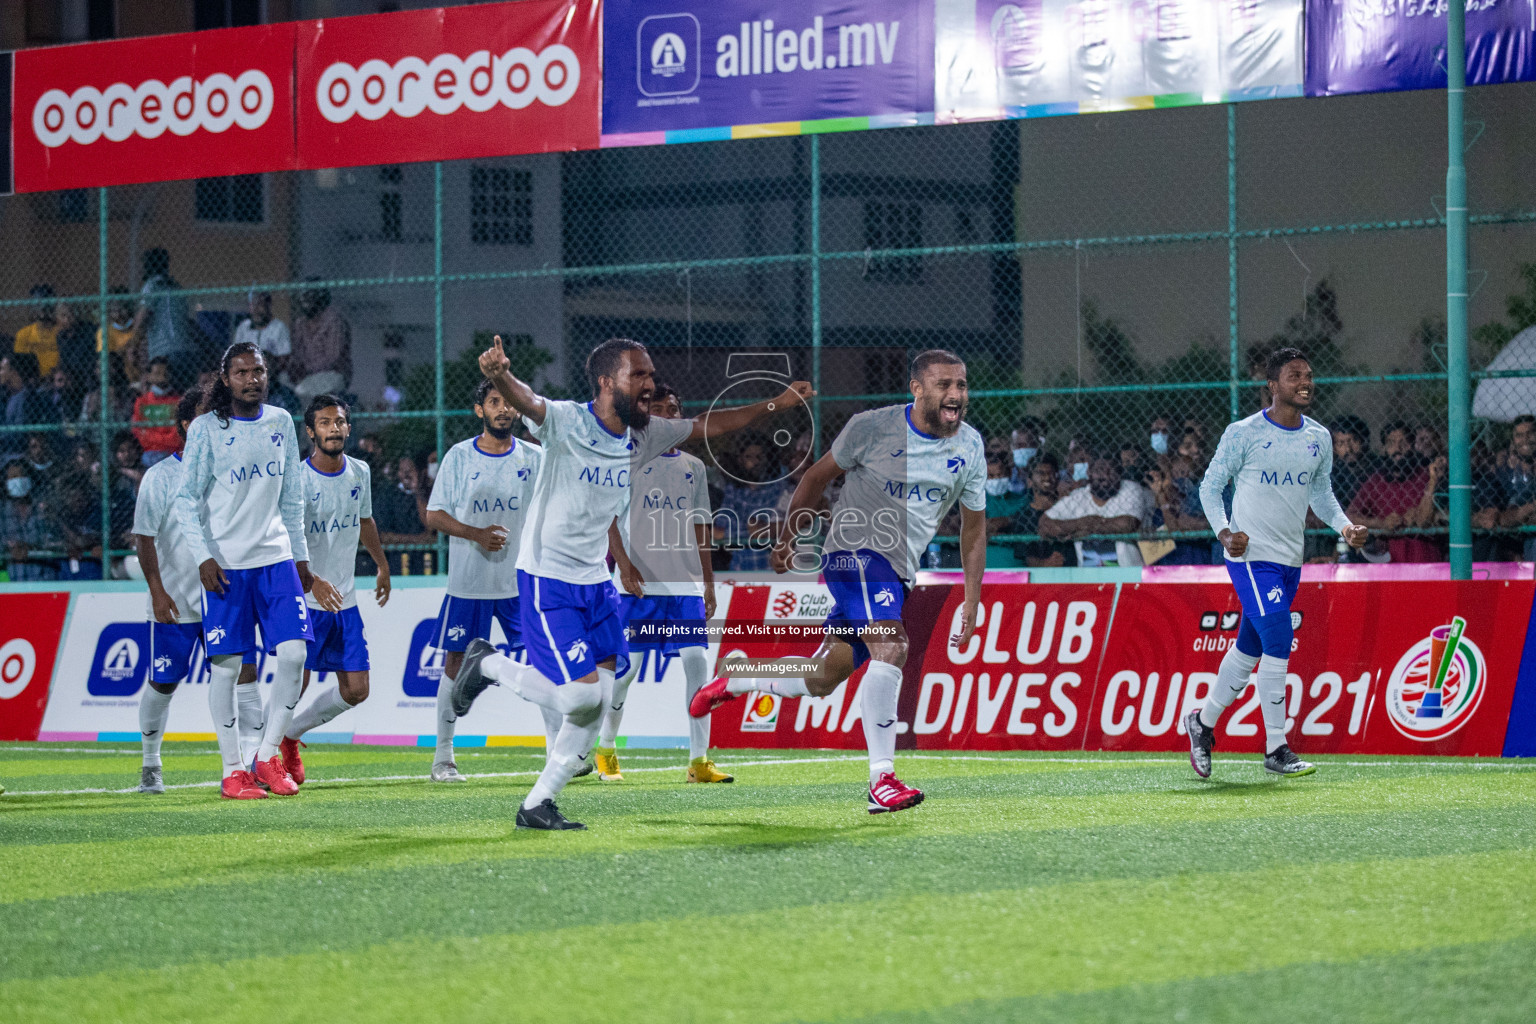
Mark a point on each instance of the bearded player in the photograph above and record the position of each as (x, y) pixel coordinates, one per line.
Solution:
(905, 467)
(570, 610)
(1281, 463)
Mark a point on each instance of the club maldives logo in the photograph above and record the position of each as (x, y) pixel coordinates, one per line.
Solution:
(1437, 685)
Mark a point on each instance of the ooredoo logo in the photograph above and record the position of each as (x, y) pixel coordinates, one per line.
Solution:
(152, 107)
(1437, 685)
(447, 82)
(18, 660)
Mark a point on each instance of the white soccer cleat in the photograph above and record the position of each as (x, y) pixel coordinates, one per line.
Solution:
(447, 771)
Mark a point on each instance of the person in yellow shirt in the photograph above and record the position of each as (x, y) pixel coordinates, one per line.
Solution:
(41, 336)
(122, 333)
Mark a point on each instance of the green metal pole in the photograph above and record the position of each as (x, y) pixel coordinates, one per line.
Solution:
(104, 409)
(1458, 384)
(1232, 357)
(437, 333)
(816, 293)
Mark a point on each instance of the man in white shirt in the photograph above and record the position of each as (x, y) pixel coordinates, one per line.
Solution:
(267, 334)
(1107, 505)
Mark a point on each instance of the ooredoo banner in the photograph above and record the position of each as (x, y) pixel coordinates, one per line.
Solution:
(31, 626)
(449, 83)
(688, 64)
(114, 113)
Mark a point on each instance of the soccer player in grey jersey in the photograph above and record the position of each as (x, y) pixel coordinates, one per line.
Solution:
(1281, 462)
(338, 515)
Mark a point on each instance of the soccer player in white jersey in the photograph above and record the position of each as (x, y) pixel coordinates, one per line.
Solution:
(660, 547)
(241, 511)
(479, 499)
(1281, 462)
(176, 614)
(569, 607)
(905, 466)
(338, 515)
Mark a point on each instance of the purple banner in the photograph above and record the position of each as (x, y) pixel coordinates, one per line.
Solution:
(1391, 45)
(704, 64)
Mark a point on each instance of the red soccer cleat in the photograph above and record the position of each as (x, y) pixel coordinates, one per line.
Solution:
(888, 793)
(293, 764)
(241, 785)
(710, 696)
(271, 772)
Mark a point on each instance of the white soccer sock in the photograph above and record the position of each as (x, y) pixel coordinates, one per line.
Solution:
(1272, 700)
(154, 709)
(577, 734)
(445, 720)
(613, 707)
(326, 706)
(1231, 681)
(695, 675)
(252, 718)
(223, 672)
(287, 686)
(553, 720)
(877, 699)
(524, 680)
(783, 686)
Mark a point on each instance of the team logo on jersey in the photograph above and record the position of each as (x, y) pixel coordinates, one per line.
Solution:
(456, 632)
(687, 476)
(355, 492)
(1268, 443)
(522, 474)
(955, 464)
(277, 438)
(897, 453)
(1313, 448)
(476, 476)
(315, 496)
(1437, 685)
(230, 441)
(885, 598)
(593, 442)
(216, 635)
(576, 651)
(648, 470)
(1275, 594)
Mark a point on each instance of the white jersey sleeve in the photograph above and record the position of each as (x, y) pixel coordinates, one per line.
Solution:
(290, 499)
(154, 516)
(660, 435)
(196, 477)
(1323, 501)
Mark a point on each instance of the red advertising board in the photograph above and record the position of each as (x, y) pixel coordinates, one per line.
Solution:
(450, 83)
(31, 626)
(1106, 667)
(113, 113)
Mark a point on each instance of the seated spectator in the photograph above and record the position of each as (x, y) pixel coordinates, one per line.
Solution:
(1160, 435)
(400, 512)
(78, 514)
(1107, 505)
(1428, 444)
(1002, 503)
(321, 361)
(166, 324)
(1353, 463)
(1026, 441)
(1192, 447)
(42, 458)
(1517, 479)
(1079, 456)
(745, 519)
(123, 339)
(120, 395)
(1044, 488)
(154, 413)
(77, 357)
(1176, 499)
(1487, 502)
(1133, 463)
(266, 333)
(26, 528)
(63, 395)
(126, 456)
(29, 401)
(1390, 494)
(40, 338)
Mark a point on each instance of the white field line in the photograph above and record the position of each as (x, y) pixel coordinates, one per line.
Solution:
(320, 783)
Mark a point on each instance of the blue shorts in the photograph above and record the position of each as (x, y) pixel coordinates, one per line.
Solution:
(1265, 590)
(865, 589)
(570, 627)
(462, 619)
(340, 644)
(666, 623)
(269, 596)
(171, 649)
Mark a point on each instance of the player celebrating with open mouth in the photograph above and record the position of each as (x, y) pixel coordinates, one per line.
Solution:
(905, 466)
(1281, 462)
(570, 610)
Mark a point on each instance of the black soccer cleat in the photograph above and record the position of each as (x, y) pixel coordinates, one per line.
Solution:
(1202, 740)
(471, 682)
(1283, 761)
(546, 817)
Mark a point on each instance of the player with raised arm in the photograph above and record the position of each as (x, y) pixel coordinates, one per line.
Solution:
(570, 612)
(338, 515)
(661, 551)
(480, 499)
(241, 512)
(176, 615)
(1280, 462)
(905, 466)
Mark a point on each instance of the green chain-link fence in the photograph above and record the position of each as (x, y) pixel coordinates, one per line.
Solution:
(1108, 278)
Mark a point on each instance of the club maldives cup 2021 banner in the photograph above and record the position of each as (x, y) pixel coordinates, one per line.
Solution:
(1376, 668)
(449, 83)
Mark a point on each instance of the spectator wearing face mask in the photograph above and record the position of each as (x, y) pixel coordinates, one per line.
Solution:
(1027, 440)
(26, 528)
(1044, 489)
(1160, 435)
(1002, 503)
(1079, 457)
(1107, 505)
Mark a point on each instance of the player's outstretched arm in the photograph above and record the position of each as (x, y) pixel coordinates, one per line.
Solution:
(498, 370)
(724, 421)
(368, 533)
(800, 519)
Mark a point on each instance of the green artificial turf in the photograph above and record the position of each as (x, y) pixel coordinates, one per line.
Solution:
(1079, 887)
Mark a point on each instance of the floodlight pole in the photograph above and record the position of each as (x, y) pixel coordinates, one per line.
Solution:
(1458, 383)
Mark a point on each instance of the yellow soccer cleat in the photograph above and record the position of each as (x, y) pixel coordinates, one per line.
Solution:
(608, 765)
(702, 769)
